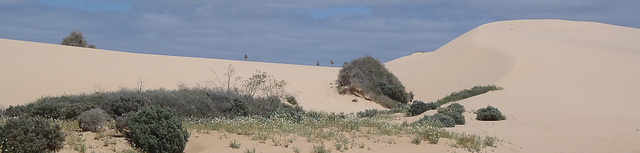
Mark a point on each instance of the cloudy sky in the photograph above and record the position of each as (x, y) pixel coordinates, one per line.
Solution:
(285, 31)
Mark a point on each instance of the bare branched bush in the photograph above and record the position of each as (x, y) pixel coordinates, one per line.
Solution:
(93, 120)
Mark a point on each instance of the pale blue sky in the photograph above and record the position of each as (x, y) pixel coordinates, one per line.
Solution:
(285, 31)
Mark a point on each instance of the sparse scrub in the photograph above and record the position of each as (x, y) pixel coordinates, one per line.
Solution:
(292, 100)
(320, 149)
(445, 120)
(367, 77)
(466, 93)
(489, 114)
(93, 120)
(157, 130)
(419, 107)
(75, 38)
(234, 144)
(457, 117)
(30, 134)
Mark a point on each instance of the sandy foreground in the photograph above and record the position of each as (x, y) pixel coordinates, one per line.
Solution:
(568, 86)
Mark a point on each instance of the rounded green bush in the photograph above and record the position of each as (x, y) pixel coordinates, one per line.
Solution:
(157, 130)
(457, 117)
(445, 120)
(489, 114)
(368, 77)
(93, 120)
(419, 107)
(29, 134)
(455, 107)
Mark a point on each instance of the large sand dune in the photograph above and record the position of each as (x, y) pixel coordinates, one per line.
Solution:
(568, 86)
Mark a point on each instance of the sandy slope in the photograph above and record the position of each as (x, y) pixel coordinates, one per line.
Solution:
(31, 70)
(569, 86)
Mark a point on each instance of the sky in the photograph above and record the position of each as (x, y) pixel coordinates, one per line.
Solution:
(285, 31)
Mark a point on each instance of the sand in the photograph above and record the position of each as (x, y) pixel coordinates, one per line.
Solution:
(569, 86)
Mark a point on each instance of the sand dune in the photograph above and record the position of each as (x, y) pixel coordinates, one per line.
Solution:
(31, 70)
(568, 86)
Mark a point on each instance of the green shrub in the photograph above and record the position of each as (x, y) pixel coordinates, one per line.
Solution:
(93, 120)
(369, 78)
(466, 93)
(445, 120)
(455, 107)
(75, 38)
(457, 117)
(401, 108)
(29, 134)
(419, 107)
(122, 123)
(286, 114)
(157, 130)
(489, 114)
(368, 113)
(124, 105)
(292, 100)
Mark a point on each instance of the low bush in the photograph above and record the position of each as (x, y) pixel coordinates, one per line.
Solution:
(466, 93)
(124, 105)
(292, 100)
(457, 117)
(445, 120)
(369, 113)
(489, 114)
(286, 114)
(75, 38)
(122, 123)
(401, 108)
(93, 120)
(157, 130)
(455, 107)
(419, 107)
(29, 134)
(367, 77)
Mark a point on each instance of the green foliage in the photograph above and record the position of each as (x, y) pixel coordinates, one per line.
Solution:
(292, 100)
(368, 77)
(457, 117)
(122, 123)
(369, 113)
(157, 130)
(286, 114)
(455, 107)
(234, 144)
(445, 120)
(419, 107)
(29, 134)
(93, 120)
(489, 114)
(75, 38)
(466, 93)
(126, 104)
(320, 149)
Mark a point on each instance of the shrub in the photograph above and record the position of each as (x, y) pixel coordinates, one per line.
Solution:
(455, 107)
(466, 93)
(457, 117)
(445, 120)
(75, 38)
(369, 113)
(292, 100)
(29, 134)
(369, 78)
(157, 130)
(125, 105)
(401, 108)
(93, 120)
(419, 107)
(286, 114)
(489, 114)
(122, 123)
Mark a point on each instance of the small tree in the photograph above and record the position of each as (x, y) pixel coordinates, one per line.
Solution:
(76, 39)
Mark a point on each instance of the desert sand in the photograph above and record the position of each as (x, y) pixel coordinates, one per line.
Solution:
(569, 86)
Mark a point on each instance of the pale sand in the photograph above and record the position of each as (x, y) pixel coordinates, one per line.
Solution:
(569, 86)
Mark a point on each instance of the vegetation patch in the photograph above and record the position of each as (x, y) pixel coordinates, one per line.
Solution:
(30, 134)
(419, 107)
(93, 120)
(367, 77)
(489, 114)
(157, 130)
(466, 93)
